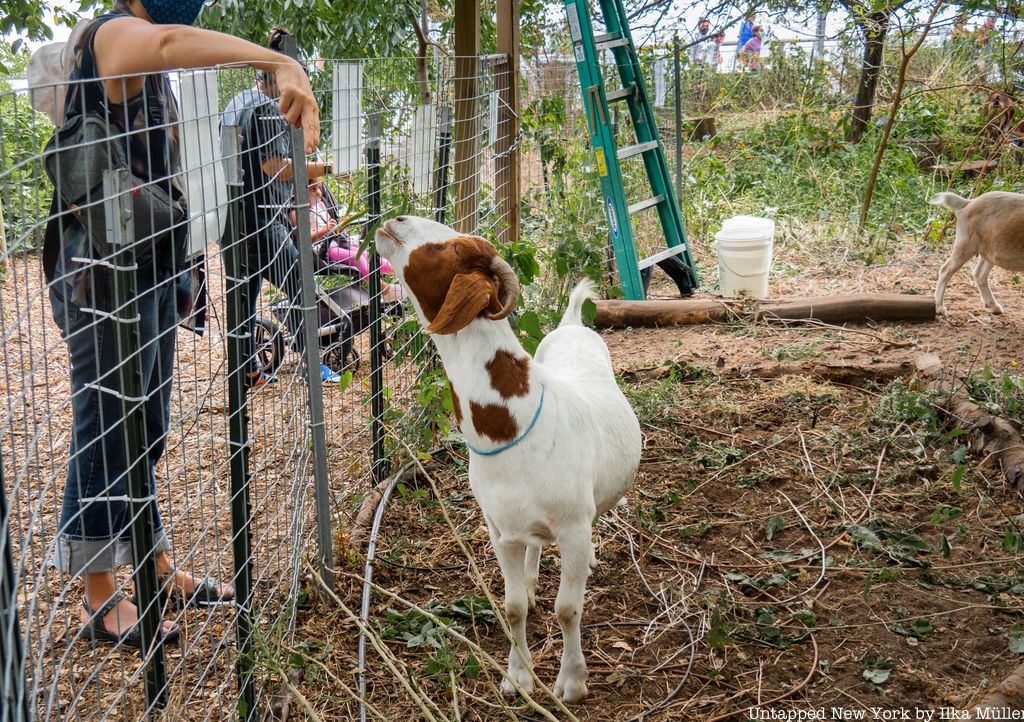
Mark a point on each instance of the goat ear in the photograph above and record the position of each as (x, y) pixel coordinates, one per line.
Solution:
(469, 294)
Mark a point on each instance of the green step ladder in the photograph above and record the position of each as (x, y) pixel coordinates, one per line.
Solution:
(634, 274)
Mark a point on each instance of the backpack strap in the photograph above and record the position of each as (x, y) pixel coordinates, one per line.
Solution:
(85, 69)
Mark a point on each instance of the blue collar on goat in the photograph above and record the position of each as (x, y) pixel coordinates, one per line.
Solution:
(509, 445)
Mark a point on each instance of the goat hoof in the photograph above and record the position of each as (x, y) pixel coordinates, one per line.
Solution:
(570, 691)
(523, 677)
(995, 310)
(531, 597)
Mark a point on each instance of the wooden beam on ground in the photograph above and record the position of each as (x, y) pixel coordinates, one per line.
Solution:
(507, 161)
(991, 436)
(1006, 697)
(850, 308)
(467, 103)
(972, 168)
(684, 312)
(831, 372)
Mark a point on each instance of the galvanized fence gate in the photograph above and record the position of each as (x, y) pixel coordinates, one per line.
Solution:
(251, 484)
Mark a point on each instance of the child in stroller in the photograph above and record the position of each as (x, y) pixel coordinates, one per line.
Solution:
(343, 301)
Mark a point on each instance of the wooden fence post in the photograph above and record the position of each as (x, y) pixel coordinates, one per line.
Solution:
(507, 145)
(467, 122)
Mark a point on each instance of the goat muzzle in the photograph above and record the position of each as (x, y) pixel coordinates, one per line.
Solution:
(508, 288)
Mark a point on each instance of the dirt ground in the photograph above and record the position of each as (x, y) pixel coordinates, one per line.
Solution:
(688, 567)
(785, 538)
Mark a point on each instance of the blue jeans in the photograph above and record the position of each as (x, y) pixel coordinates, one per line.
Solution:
(273, 256)
(94, 534)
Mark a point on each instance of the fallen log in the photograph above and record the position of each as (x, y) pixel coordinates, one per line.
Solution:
(1007, 696)
(837, 373)
(684, 312)
(991, 436)
(850, 308)
(359, 529)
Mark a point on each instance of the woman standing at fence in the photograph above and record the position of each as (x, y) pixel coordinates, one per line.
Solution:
(131, 48)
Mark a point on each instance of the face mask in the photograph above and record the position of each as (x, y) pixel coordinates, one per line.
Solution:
(173, 12)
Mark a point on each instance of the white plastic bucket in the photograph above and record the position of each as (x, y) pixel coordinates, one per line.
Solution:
(744, 247)
(749, 222)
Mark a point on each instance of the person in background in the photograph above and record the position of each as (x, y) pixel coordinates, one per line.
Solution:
(746, 30)
(959, 31)
(750, 53)
(268, 194)
(702, 50)
(985, 30)
(340, 248)
(719, 39)
(121, 60)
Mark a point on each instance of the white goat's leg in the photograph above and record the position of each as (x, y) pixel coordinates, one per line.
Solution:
(981, 270)
(532, 572)
(577, 549)
(961, 254)
(511, 558)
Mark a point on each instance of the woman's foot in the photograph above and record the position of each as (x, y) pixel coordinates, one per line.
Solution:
(203, 591)
(120, 620)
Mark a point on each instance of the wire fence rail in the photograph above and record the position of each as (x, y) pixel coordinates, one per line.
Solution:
(167, 411)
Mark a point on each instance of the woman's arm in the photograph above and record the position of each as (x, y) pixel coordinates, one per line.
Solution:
(134, 47)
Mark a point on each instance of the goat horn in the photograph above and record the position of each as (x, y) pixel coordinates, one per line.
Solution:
(508, 288)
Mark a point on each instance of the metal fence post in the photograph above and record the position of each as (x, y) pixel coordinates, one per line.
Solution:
(380, 464)
(120, 230)
(238, 334)
(443, 164)
(13, 703)
(311, 322)
(676, 79)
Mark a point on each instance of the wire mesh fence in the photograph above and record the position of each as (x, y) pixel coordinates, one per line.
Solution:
(201, 358)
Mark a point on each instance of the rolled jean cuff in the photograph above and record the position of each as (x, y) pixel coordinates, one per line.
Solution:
(97, 556)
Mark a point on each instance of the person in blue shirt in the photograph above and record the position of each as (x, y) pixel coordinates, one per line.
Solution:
(747, 30)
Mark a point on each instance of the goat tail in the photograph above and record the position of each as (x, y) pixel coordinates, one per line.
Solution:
(574, 310)
(951, 201)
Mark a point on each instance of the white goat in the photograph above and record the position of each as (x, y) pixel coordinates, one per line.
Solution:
(991, 227)
(553, 441)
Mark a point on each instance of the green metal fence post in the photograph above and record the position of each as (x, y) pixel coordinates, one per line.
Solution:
(239, 340)
(13, 703)
(380, 462)
(120, 230)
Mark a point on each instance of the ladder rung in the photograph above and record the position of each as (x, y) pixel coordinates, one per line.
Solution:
(659, 257)
(643, 205)
(630, 150)
(621, 94)
(609, 40)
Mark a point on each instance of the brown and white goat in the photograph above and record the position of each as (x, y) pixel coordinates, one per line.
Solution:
(991, 227)
(553, 442)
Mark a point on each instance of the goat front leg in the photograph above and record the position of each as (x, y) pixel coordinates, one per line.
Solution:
(981, 270)
(577, 551)
(511, 559)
